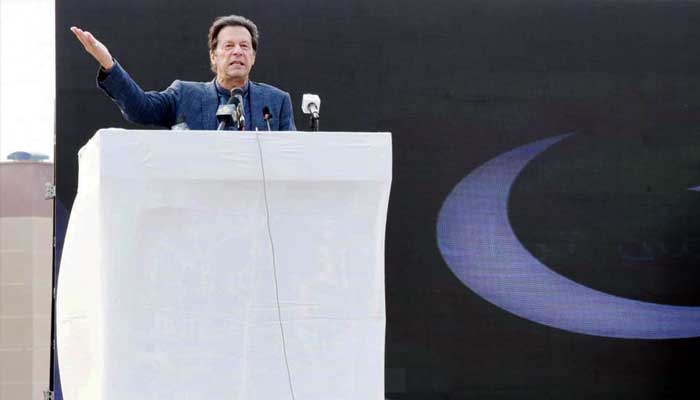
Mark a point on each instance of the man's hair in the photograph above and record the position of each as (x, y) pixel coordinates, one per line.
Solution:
(232, 20)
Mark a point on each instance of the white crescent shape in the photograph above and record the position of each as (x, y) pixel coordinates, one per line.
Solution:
(478, 243)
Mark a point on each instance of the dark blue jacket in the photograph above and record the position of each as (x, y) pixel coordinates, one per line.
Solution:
(193, 103)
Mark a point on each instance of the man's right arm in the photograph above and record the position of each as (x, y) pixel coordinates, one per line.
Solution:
(146, 108)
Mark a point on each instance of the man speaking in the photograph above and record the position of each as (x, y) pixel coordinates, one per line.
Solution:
(233, 43)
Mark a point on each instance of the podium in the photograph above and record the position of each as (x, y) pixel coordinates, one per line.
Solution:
(225, 265)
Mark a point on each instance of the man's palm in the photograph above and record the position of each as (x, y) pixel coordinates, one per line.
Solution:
(94, 47)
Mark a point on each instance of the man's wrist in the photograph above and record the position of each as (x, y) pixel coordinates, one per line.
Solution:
(108, 67)
(103, 73)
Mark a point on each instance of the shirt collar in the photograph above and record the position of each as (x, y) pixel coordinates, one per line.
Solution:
(227, 93)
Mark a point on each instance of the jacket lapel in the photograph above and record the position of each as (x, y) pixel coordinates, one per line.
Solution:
(258, 100)
(210, 103)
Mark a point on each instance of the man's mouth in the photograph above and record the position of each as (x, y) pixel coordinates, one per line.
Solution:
(236, 63)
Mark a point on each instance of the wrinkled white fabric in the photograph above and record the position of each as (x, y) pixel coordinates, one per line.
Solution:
(175, 284)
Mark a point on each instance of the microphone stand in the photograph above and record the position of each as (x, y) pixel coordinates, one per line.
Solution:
(315, 122)
(267, 116)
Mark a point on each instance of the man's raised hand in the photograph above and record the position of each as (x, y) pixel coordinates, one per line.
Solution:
(94, 47)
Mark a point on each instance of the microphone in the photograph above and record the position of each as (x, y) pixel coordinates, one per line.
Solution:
(225, 114)
(311, 104)
(232, 113)
(180, 124)
(240, 112)
(267, 116)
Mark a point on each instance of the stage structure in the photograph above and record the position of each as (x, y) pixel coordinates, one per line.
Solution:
(226, 265)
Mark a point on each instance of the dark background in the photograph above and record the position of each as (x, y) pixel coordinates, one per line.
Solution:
(457, 83)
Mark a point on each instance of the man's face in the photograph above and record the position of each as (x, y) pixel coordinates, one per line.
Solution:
(234, 55)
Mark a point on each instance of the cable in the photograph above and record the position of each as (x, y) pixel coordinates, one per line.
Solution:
(274, 266)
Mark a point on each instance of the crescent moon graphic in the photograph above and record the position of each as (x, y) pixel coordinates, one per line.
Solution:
(478, 243)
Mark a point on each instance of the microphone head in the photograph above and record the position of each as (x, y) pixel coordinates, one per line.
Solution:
(308, 100)
(266, 113)
(225, 112)
(237, 93)
(236, 96)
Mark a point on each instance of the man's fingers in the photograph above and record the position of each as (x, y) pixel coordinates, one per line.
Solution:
(94, 47)
(85, 37)
(81, 36)
(91, 39)
(77, 33)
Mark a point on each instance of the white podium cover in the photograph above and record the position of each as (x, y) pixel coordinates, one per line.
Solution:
(205, 265)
